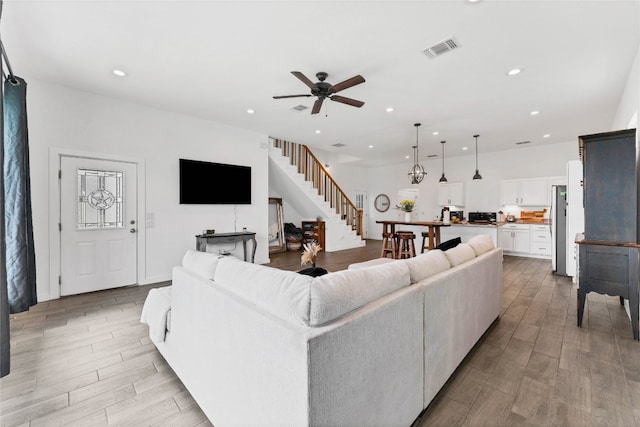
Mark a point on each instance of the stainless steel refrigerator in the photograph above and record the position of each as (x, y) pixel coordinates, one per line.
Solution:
(559, 229)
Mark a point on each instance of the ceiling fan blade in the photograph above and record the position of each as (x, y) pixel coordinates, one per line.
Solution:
(304, 79)
(317, 105)
(348, 83)
(290, 96)
(348, 101)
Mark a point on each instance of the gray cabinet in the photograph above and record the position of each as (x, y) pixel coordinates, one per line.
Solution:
(609, 253)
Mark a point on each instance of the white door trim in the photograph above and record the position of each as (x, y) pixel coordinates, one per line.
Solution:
(55, 155)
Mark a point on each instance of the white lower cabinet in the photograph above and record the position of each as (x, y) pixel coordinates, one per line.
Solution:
(525, 240)
(514, 238)
(540, 240)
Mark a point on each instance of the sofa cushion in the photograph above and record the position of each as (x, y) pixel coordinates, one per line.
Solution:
(460, 254)
(338, 293)
(449, 244)
(201, 263)
(282, 293)
(481, 244)
(426, 265)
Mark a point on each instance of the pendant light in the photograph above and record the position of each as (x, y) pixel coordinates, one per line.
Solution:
(443, 178)
(477, 175)
(416, 173)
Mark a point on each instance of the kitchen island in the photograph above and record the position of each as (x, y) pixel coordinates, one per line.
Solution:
(466, 230)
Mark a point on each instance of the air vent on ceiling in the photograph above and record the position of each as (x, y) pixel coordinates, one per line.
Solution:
(339, 144)
(432, 155)
(442, 47)
(299, 107)
(523, 142)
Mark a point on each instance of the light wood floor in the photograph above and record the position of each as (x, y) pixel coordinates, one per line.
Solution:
(86, 360)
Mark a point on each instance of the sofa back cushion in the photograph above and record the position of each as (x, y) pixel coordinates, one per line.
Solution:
(460, 254)
(336, 294)
(201, 263)
(282, 293)
(426, 265)
(481, 244)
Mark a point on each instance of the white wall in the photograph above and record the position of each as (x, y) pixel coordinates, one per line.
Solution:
(629, 107)
(69, 119)
(482, 195)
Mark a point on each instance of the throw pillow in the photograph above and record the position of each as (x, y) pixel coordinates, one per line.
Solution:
(426, 265)
(481, 244)
(460, 254)
(201, 263)
(449, 244)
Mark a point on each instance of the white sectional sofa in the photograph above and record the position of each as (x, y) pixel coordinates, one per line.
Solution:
(369, 346)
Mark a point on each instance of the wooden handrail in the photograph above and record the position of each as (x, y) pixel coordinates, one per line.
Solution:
(314, 171)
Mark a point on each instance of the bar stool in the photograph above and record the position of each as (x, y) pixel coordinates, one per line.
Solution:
(431, 243)
(406, 246)
(389, 242)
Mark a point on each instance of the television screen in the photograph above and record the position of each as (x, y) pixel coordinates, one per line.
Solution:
(205, 183)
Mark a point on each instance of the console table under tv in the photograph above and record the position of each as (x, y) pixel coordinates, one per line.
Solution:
(219, 238)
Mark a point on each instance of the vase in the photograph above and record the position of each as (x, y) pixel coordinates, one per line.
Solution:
(407, 217)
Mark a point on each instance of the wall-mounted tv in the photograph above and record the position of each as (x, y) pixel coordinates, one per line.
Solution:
(206, 183)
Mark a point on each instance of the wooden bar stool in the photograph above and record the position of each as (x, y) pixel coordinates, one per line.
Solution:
(433, 236)
(406, 245)
(389, 245)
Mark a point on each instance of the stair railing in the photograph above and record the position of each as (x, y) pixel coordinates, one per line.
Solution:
(307, 164)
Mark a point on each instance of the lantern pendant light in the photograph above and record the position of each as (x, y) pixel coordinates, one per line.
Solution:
(477, 175)
(416, 173)
(443, 178)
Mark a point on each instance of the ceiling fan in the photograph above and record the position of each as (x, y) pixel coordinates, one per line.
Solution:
(325, 90)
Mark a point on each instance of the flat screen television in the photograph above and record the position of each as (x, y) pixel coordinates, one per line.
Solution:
(206, 183)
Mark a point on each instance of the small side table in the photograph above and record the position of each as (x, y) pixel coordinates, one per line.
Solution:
(243, 236)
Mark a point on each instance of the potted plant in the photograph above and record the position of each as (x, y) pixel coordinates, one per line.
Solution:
(406, 206)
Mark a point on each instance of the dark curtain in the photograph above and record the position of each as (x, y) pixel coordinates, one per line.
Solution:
(5, 344)
(20, 255)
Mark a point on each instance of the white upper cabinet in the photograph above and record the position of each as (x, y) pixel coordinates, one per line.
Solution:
(451, 194)
(524, 192)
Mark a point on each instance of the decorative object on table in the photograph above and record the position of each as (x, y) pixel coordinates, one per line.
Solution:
(309, 256)
(382, 203)
(406, 206)
(310, 253)
(443, 178)
(416, 173)
(477, 175)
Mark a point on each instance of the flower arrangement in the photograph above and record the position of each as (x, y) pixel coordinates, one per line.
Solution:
(406, 205)
(310, 252)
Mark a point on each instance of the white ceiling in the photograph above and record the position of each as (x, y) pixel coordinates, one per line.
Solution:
(215, 59)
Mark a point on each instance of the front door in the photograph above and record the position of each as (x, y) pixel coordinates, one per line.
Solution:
(98, 230)
(361, 203)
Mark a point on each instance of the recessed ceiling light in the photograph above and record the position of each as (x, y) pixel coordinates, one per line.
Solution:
(251, 111)
(465, 148)
(546, 135)
(389, 109)
(436, 133)
(119, 73)
(473, 1)
(534, 112)
(371, 146)
(317, 130)
(514, 72)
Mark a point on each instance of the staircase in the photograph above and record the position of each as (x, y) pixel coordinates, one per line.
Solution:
(309, 186)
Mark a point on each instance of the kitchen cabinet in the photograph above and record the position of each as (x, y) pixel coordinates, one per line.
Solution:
(540, 240)
(524, 192)
(451, 194)
(514, 238)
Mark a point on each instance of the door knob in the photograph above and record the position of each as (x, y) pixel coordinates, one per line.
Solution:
(133, 230)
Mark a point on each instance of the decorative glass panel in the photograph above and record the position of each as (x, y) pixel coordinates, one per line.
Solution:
(100, 199)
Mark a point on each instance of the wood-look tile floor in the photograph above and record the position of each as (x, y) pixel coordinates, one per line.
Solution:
(86, 360)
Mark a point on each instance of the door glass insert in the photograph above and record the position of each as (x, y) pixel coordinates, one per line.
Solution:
(100, 200)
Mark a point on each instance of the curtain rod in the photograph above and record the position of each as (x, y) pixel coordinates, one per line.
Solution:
(6, 61)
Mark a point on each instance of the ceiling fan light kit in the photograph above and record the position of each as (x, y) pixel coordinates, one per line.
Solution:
(323, 90)
(417, 172)
(477, 175)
